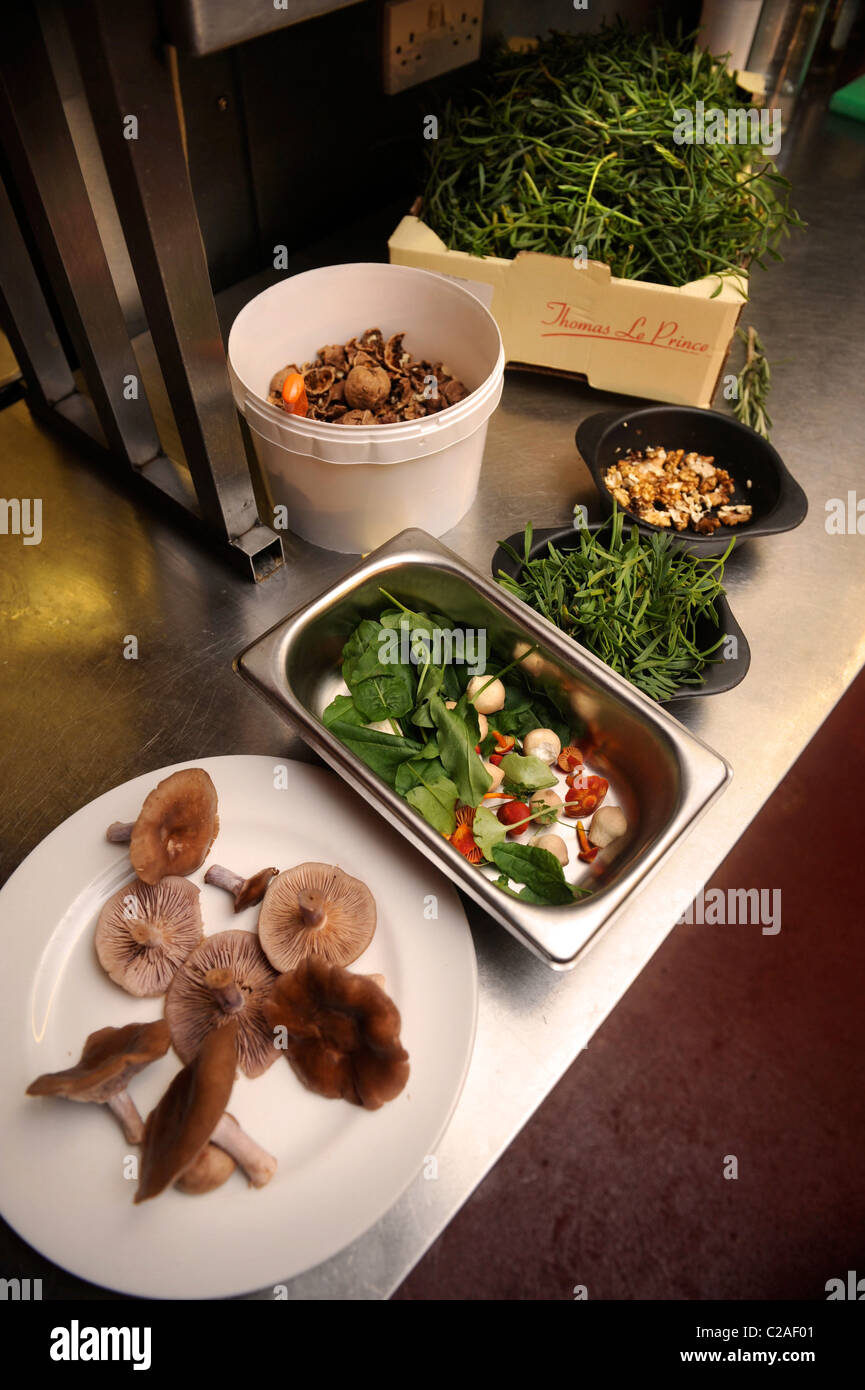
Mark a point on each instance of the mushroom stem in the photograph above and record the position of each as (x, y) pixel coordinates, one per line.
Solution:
(123, 1106)
(225, 989)
(312, 908)
(224, 878)
(120, 832)
(258, 1165)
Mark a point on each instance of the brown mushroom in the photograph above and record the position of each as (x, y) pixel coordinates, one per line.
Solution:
(258, 1165)
(316, 909)
(245, 891)
(341, 1033)
(175, 828)
(209, 1170)
(191, 1115)
(145, 931)
(225, 979)
(109, 1060)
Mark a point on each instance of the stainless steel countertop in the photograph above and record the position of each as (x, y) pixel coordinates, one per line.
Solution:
(79, 719)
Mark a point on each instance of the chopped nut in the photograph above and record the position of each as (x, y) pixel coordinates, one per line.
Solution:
(665, 487)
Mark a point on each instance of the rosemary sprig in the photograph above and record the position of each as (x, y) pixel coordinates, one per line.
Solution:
(753, 385)
(572, 144)
(635, 603)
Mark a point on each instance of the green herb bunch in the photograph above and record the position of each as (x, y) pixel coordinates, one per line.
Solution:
(753, 385)
(634, 602)
(571, 144)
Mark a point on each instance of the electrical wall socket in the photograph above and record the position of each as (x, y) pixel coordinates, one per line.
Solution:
(423, 39)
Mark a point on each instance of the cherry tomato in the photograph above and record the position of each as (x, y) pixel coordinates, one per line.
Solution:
(514, 811)
(583, 800)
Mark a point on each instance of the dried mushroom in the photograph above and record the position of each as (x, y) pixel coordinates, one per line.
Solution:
(109, 1060)
(226, 979)
(370, 381)
(316, 909)
(145, 931)
(341, 1033)
(175, 828)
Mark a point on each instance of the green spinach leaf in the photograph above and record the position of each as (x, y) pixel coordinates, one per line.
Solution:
(457, 749)
(526, 774)
(488, 831)
(537, 869)
(384, 753)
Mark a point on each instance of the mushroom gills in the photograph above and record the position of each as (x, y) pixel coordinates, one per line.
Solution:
(145, 931)
(316, 909)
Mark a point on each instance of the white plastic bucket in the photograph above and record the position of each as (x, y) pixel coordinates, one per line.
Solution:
(352, 487)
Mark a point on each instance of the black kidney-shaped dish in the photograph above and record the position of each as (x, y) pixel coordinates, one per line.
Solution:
(718, 676)
(778, 502)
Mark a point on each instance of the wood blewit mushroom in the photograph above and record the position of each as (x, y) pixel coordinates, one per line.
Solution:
(145, 931)
(225, 979)
(316, 909)
(245, 891)
(191, 1115)
(109, 1060)
(176, 826)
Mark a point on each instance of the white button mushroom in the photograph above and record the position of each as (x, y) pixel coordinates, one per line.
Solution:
(543, 744)
(486, 695)
(496, 775)
(608, 824)
(554, 844)
(546, 798)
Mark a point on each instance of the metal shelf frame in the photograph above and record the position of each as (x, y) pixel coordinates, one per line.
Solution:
(46, 220)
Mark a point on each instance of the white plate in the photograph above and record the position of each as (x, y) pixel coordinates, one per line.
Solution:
(62, 1181)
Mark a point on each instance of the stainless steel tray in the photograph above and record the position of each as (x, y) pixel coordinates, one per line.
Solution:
(664, 777)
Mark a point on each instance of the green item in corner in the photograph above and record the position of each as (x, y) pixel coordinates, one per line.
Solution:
(850, 100)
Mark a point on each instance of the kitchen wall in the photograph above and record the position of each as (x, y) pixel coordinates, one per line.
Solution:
(291, 137)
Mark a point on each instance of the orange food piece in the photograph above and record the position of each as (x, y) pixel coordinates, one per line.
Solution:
(294, 394)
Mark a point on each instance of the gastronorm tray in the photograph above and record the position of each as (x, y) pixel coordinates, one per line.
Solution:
(718, 676)
(665, 776)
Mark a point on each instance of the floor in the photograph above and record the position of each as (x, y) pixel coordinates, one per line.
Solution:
(709, 1144)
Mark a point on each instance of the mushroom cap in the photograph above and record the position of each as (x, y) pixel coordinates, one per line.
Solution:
(284, 928)
(109, 1059)
(186, 1116)
(193, 1011)
(176, 826)
(342, 1033)
(209, 1170)
(254, 889)
(145, 931)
